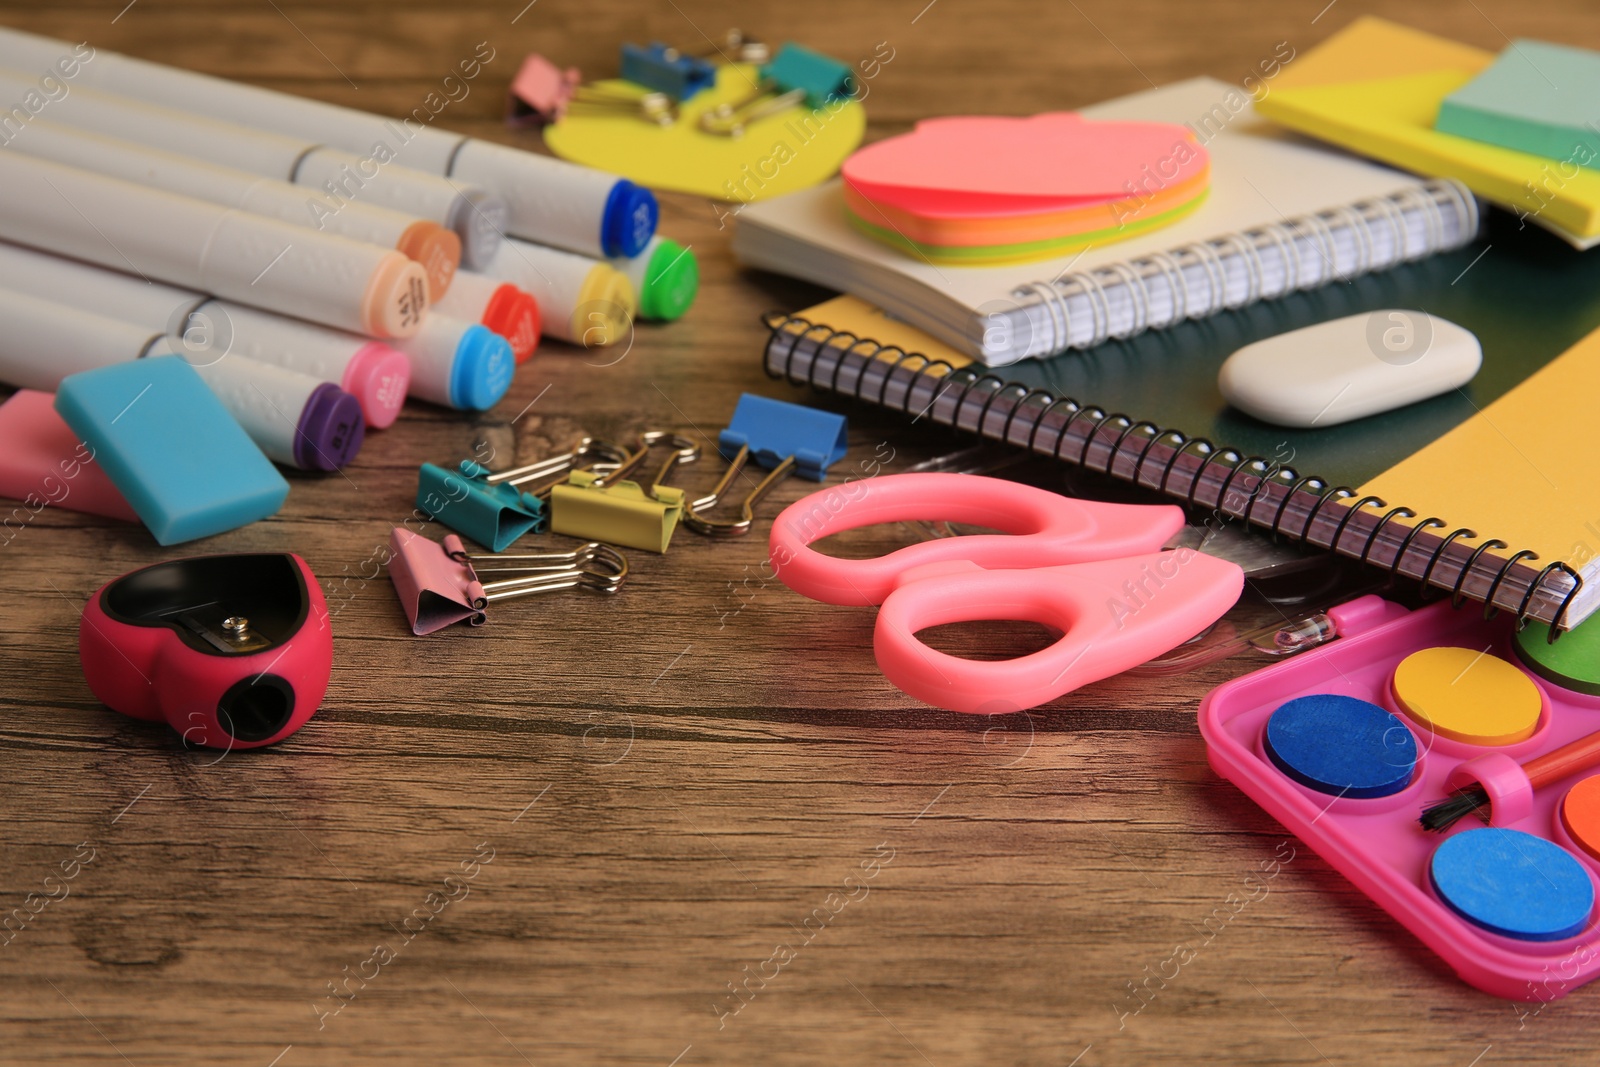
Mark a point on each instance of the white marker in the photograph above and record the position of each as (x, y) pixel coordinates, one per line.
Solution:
(294, 418)
(425, 242)
(580, 299)
(331, 180)
(371, 371)
(551, 201)
(177, 239)
(501, 306)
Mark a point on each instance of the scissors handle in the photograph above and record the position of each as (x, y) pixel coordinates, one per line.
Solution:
(1040, 529)
(1113, 614)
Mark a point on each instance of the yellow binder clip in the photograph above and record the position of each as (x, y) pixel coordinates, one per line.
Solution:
(608, 507)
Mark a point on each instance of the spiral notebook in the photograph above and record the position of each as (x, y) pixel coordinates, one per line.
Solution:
(1488, 492)
(1283, 215)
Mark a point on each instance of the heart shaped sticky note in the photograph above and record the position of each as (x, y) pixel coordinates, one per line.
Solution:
(1048, 162)
(793, 149)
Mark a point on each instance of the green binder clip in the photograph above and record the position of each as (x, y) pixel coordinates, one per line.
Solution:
(793, 77)
(488, 507)
(607, 507)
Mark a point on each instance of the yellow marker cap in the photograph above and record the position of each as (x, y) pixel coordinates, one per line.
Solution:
(605, 308)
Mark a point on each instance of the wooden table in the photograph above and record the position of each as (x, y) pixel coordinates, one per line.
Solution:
(704, 779)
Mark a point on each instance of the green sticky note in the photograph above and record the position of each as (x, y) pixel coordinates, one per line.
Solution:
(1536, 97)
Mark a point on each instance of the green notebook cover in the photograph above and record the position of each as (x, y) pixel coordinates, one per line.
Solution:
(1526, 295)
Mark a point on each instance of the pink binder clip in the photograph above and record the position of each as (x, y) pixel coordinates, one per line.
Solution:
(540, 92)
(439, 586)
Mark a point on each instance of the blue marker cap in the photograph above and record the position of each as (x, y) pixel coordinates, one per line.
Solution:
(629, 220)
(482, 370)
(171, 448)
(774, 430)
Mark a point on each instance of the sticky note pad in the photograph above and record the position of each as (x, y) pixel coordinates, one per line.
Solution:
(171, 448)
(1536, 97)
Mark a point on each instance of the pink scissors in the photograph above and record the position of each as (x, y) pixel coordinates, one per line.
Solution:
(1094, 571)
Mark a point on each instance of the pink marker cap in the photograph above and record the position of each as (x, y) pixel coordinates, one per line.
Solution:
(378, 376)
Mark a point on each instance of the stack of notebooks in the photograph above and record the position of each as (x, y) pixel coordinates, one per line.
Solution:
(1480, 492)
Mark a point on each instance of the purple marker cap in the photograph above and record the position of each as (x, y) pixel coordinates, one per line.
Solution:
(331, 429)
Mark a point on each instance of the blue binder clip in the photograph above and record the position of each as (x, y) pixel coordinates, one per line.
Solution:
(782, 437)
(667, 70)
(489, 508)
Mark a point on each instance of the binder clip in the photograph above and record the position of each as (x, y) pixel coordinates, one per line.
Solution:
(439, 585)
(608, 507)
(785, 439)
(667, 70)
(540, 92)
(488, 507)
(794, 76)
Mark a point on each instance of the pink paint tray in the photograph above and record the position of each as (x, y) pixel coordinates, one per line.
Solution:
(1377, 843)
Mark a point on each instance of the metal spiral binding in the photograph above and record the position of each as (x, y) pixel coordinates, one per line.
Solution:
(798, 351)
(1319, 229)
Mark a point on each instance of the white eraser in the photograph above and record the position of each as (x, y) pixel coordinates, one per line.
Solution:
(1349, 368)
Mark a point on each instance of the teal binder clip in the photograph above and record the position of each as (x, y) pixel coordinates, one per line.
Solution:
(785, 439)
(488, 507)
(667, 70)
(793, 77)
(820, 78)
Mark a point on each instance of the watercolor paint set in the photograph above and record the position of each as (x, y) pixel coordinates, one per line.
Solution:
(1447, 764)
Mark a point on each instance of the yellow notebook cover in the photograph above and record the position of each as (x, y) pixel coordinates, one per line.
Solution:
(1384, 103)
(1518, 469)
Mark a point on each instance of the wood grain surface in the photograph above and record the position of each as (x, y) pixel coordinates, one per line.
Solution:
(703, 783)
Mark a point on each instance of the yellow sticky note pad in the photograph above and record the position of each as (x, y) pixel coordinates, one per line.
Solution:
(1375, 88)
(791, 150)
(1468, 695)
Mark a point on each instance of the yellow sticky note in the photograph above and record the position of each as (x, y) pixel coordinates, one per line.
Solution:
(793, 149)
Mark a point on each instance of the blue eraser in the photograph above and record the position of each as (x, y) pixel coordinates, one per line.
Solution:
(1341, 746)
(167, 443)
(1513, 884)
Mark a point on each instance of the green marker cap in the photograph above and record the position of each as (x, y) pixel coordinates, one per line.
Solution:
(670, 280)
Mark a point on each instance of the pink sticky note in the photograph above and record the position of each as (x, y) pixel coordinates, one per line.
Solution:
(42, 462)
(1044, 162)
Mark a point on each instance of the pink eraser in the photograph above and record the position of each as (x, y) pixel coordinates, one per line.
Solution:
(43, 462)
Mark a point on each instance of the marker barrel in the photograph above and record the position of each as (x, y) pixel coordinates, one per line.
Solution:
(330, 179)
(293, 418)
(258, 261)
(580, 299)
(371, 371)
(459, 364)
(551, 200)
(437, 249)
(501, 306)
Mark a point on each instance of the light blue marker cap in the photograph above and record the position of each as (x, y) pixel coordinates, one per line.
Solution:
(482, 370)
(167, 443)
